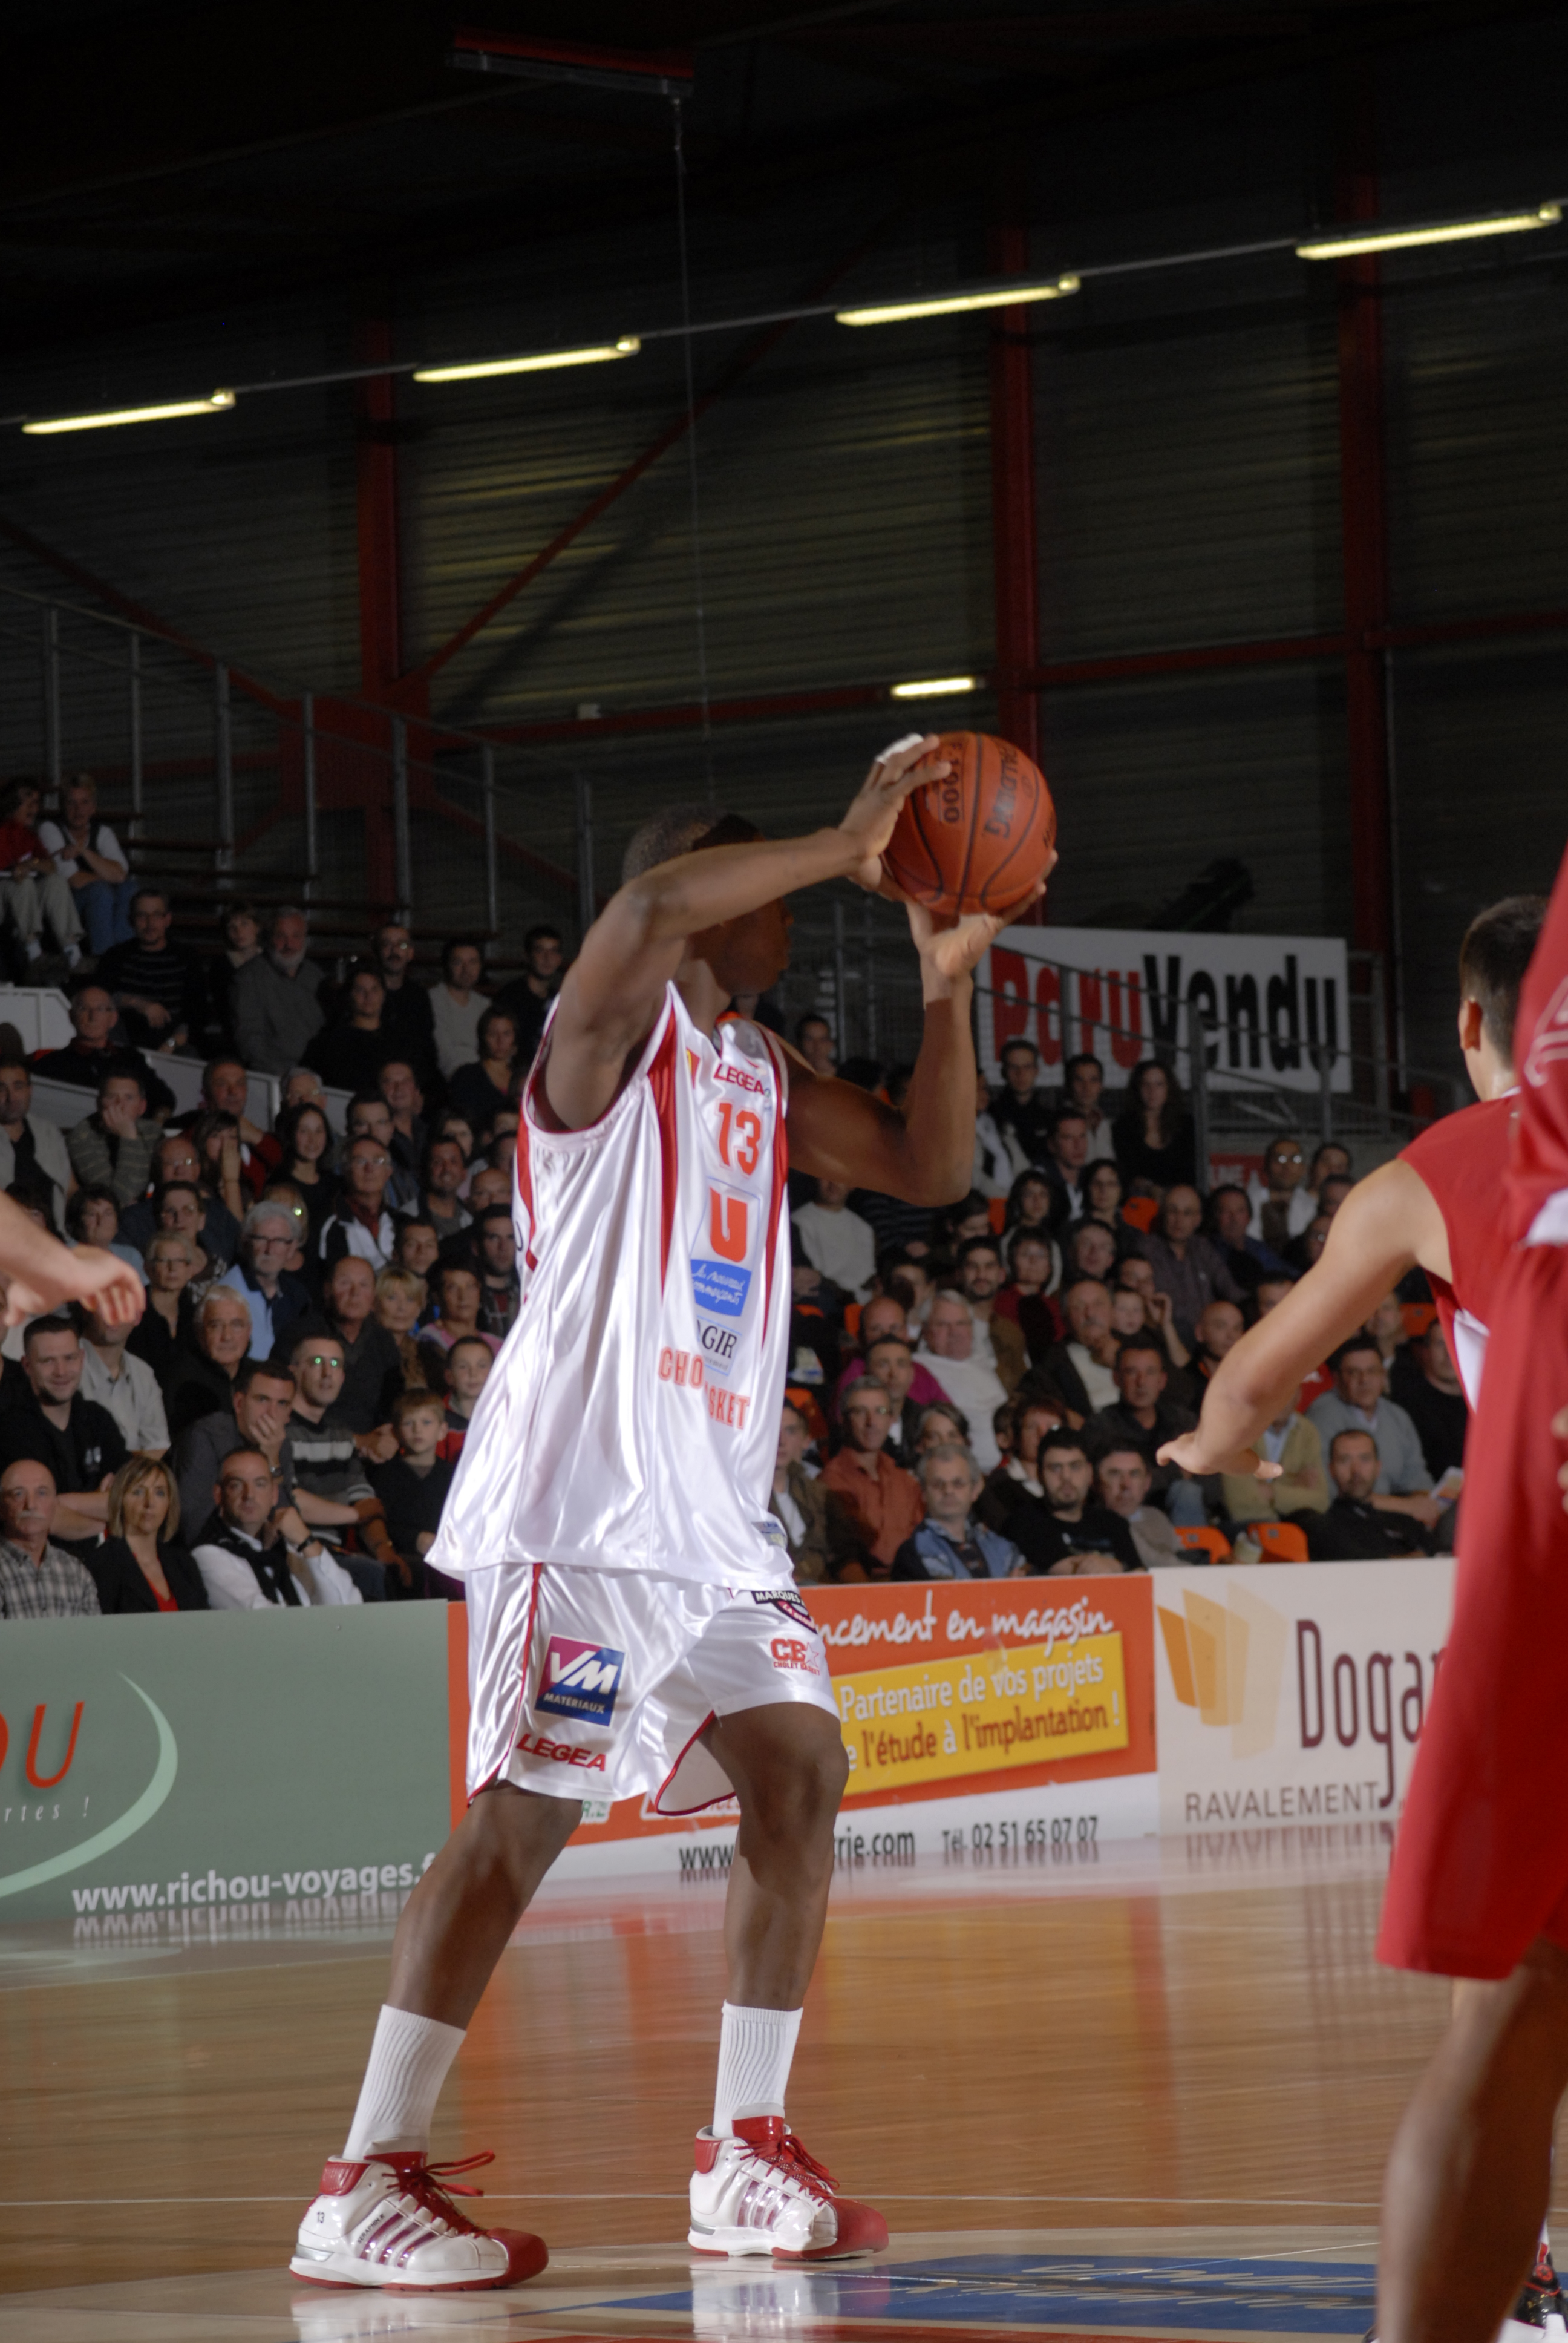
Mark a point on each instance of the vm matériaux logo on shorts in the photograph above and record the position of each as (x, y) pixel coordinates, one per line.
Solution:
(580, 1680)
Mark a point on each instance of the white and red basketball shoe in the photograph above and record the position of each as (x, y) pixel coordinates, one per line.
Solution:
(761, 2193)
(390, 2223)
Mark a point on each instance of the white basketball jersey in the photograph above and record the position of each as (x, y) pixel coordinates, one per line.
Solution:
(631, 1420)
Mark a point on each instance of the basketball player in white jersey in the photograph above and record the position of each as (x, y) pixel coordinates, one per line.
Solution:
(633, 1625)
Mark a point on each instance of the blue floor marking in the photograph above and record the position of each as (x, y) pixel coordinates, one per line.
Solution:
(1311, 2297)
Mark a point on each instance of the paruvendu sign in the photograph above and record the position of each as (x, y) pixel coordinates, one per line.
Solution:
(1269, 1002)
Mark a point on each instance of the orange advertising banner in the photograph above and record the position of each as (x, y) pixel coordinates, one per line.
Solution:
(945, 1689)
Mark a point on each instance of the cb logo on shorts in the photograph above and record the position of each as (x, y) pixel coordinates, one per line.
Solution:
(790, 1652)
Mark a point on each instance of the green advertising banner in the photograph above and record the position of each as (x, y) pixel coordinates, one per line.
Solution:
(156, 1770)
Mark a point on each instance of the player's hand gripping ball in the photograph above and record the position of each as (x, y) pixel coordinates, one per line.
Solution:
(980, 838)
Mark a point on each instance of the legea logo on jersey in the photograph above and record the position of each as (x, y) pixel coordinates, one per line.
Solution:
(580, 1679)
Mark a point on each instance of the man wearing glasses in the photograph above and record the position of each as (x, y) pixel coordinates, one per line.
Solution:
(1281, 1207)
(361, 1223)
(275, 1298)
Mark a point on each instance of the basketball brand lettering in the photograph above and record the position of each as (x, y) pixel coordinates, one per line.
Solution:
(738, 1075)
(687, 1372)
(561, 1752)
(999, 823)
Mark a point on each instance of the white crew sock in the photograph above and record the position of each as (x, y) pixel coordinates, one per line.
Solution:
(408, 2062)
(755, 2048)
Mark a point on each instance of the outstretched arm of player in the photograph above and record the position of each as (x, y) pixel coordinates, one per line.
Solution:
(924, 1151)
(614, 989)
(1388, 1222)
(40, 1273)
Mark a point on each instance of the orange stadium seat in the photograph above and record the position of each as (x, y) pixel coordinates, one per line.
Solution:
(1418, 1316)
(1280, 1540)
(1213, 1544)
(997, 1205)
(1139, 1212)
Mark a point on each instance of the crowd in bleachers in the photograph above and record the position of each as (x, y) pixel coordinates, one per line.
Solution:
(982, 1392)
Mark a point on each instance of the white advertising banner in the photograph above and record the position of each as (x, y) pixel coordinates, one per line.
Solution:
(1294, 1695)
(1122, 993)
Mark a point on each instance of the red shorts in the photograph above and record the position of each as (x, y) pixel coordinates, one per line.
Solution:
(1481, 1863)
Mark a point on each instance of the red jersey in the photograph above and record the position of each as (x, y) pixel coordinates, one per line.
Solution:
(1540, 1170)
(1464, 1161)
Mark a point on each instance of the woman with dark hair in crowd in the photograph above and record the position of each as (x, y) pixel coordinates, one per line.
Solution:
(1153, 1135)
(482, 1091)
(305, 1136)
(350, 1052)
(1305, 1251)
(1103, 1193)
(138, 1566)
(456, 1288)
(216, 1138)
(1033, 1275)
(241, 942)
(1034, 1202)
(441, 1173)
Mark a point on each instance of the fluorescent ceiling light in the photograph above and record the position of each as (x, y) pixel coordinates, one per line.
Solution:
(628, 347)
(1372, 239)
(213, 405)
(936, 687)
(999, 297)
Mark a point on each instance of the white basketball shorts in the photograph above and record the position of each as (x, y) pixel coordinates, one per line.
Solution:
(596, 1683)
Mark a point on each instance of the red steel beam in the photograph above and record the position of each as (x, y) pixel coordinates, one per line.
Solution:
(670, 436)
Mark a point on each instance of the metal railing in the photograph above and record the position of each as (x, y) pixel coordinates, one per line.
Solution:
(225, 784)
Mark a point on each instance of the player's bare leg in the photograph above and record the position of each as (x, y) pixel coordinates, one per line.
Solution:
(1469, 2177)
(788, 1767)
(384, 2216)
(456, 1924)
(755, 2190)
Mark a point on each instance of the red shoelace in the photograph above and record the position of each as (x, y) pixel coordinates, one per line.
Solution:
(430, 2186)
(792, 2153)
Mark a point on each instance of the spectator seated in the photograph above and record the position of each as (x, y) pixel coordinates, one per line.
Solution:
(1292, 1443)
(275, 1297)
(1026, 1298)
(997, 1339)
(204, 1376)
(92, 1217)
(256, 1554)
(50, 1424)
(1068, 1536)
(837, 1241)
(158, 986)
(93, 863)
(359, 1224)
(412, 1485)
(329, 1464)
(406, 1013)
(469, 1364)
(527, 999)
(140, 1566)
(951, 1541)
(1186, 1266)
(35, 893)
(1082, 1368)
(1124, 1479)
(1015, 1483)
(112, 1147)
(261, 1402)
(1360, 1402)
(162, 1334)
(456, 1006)
(277, 1010)
(818, 1531)
(1354, 1527)
(1426, 1384)
(495, 1255)
(443, 1171)
(482, 1091)
(882, 1499)
(946, 1352)
(32, 1147)
(125, 1386)
(38, 1579)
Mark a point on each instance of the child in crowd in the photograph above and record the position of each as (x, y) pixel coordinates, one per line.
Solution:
(469, 1364)
(413, 1486)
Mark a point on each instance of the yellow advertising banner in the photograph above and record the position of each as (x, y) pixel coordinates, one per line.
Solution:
(982, 1713)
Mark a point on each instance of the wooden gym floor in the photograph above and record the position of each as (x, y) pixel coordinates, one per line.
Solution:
(1144, 2089)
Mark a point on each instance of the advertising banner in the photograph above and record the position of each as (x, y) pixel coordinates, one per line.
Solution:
(1121, 994)
(1294, 1695)
(156, 1770)
(948, 1691)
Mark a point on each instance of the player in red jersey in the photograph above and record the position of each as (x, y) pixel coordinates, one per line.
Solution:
(1479, 1886)
(1435, 1205)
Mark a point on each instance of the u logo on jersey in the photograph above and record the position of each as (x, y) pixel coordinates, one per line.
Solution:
(728, 1224)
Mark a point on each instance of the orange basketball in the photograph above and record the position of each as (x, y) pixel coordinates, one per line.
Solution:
(977, 839)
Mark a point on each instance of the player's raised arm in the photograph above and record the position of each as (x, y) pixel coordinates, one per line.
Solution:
(668, 915)
(41, 1273)
(924, 1151)
(1388, 1222)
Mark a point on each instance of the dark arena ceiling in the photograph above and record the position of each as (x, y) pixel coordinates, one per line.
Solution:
(161, 159)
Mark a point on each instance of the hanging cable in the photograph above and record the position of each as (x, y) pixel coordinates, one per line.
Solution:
(691, 469)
